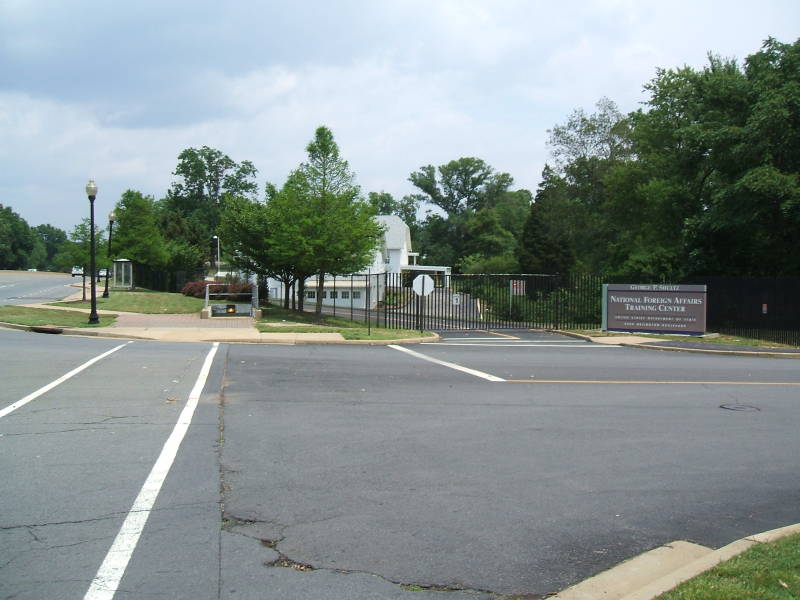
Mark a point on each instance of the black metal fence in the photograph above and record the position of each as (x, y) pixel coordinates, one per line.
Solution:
(491, 301)
(162, 281)
(759, 308)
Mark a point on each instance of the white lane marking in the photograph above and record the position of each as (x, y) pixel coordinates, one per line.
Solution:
(105, 583)
(450, 365)
(11, 408)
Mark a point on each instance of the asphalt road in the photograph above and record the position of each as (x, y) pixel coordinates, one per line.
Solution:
(22, 287)
(356, 472)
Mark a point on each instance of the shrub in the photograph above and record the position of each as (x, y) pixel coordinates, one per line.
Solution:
(194, 288)
(198, 290)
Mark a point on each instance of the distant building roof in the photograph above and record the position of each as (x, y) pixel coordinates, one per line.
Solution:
(397, 232)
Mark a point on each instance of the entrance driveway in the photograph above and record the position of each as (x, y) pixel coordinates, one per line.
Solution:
(356, 460)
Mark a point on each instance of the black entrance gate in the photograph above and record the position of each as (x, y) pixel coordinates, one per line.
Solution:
(491, 301)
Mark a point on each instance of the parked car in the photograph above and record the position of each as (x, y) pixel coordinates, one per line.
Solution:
(101, 274)
(77, 270)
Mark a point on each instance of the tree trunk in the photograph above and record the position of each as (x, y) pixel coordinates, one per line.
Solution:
(286, 288)
(301, 293)
(320, 288)
(84, 284)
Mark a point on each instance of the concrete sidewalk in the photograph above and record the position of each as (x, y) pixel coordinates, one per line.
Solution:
(189, 327)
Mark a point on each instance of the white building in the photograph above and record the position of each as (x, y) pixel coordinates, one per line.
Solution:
(390, 263)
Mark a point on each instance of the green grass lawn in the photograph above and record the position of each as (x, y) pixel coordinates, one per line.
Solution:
(23, 315)
(306, 322)
(764, 572)
(157, 303)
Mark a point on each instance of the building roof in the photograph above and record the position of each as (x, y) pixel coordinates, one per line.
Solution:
(397, 232)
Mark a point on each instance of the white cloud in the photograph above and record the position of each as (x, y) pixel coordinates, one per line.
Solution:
(401, 83)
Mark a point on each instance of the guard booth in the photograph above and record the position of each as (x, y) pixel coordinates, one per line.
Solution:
(122, 274)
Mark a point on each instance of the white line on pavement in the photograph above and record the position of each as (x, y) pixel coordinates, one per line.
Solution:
(450, 365)
(11, 408)
(105, 583)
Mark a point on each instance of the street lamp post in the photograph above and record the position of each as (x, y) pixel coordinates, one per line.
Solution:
(91, 191)
(112, 216)
(216, 237)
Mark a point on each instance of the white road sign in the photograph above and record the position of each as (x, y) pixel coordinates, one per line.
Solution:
(422, 285)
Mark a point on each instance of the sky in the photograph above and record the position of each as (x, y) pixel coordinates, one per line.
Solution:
(116, 90)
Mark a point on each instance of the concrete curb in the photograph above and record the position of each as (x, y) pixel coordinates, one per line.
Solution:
(709, 561)
(765, 354)
(653, 573)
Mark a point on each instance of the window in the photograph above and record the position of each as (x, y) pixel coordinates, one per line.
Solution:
(356, 295)
(311, 295)
(345, 295)
(324, 294)
(334, 295)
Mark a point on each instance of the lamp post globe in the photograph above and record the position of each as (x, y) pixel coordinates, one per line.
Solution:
(91, 192)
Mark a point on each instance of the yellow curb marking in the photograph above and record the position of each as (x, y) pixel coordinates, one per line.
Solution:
(621, 382)
(504, 335)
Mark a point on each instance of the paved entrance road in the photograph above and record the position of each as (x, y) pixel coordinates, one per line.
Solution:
(365, 468)
(370, 460)
(22, 287)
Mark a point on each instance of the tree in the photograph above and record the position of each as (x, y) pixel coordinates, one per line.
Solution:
(463, 184)
(76, 250)
(189, 216)
(269, 239)
(604, 135)
(406, 208)
(704, 179)
(316, 224)
(136, 235)
(544, 248)
(482, 219)
(339, 229)
(17, 242)
(51, 238)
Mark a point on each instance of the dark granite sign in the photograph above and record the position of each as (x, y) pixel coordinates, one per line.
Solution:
(654, 308)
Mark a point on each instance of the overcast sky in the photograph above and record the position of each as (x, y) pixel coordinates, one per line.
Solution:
(115, 90)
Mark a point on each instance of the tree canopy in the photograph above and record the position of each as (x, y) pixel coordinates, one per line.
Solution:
(316, 224)
(705, 179)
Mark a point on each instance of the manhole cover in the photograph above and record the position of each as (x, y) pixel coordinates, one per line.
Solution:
(740, 407)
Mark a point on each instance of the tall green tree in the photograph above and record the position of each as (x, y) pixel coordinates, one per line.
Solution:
(271, 239)
(17, 242)
(460, 185)
(341, 232)
(704, 179)
(383, 203)
(76, 250)
(544, 246)
(190, 214)
(750, 211)
(482, 218)
(316, 224)
(137, 236)
(51, 239)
